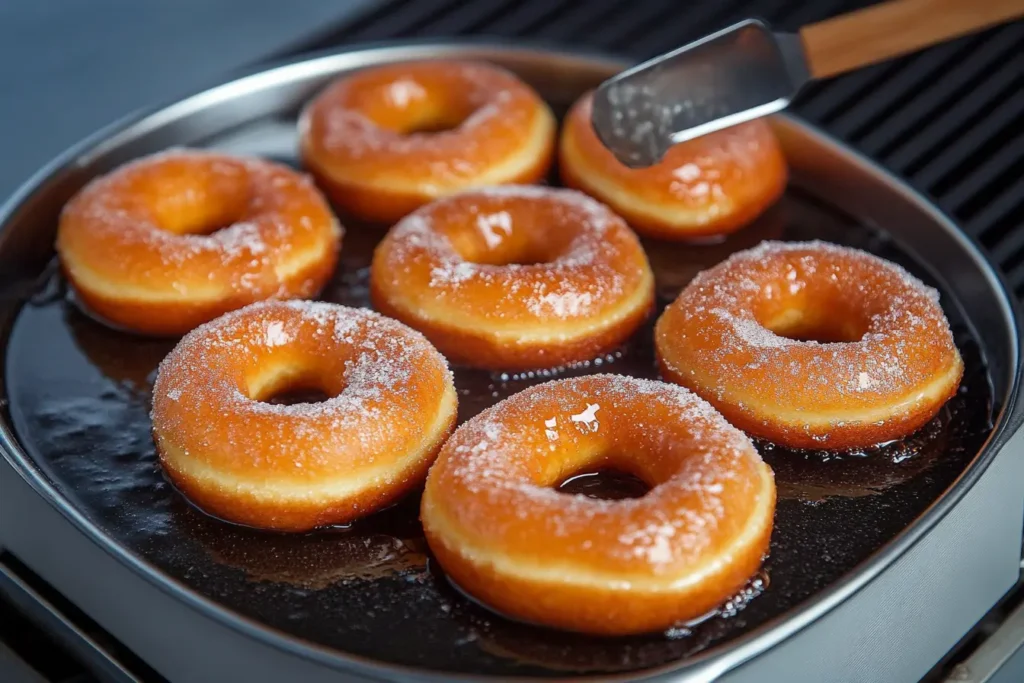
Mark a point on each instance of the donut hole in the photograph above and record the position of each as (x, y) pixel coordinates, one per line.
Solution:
(506, 249)
(425, 117)
(198, 201)
(500, 236)
(296, 395)
(199, 221)
(604, 483)
(409, 106)
(436, 122)
(824, 313)
(201, 228)
(513, 255)
(815, 325)
(292, 385)
(814, 308)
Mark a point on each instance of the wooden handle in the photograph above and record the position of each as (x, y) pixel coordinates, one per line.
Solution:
(890, 29)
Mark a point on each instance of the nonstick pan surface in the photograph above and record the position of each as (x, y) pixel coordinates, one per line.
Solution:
(78, 397)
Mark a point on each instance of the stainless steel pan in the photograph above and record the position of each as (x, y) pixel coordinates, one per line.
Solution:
(878, 563)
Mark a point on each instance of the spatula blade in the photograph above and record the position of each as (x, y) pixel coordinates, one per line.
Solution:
(738, 74)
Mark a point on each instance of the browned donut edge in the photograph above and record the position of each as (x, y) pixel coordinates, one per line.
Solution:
(846, 436)
(587, 609)
(172, 318)
(291, 516)
(478, 349)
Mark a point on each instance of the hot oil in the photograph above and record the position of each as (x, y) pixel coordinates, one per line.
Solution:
(79, 397)
(605, 484)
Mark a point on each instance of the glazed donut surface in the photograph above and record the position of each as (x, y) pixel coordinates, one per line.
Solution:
(711, 185)
(170, 241)
(612, 567)
(295, 467)
(388, 139)
(879, 364)
(514, 277)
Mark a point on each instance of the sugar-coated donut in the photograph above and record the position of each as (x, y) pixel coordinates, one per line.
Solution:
(388, 139)
(296, 467)
(504, 535)
(514, 277)
(173, 240)
(711, 185)
(883, 364)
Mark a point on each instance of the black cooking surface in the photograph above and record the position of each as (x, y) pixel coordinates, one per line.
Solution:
(81, 411)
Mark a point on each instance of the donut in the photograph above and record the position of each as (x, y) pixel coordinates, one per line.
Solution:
(506, 537)
(386, 140)
(173, 240)
(711, 185)
(247, 460)
(514, 277)
(812, 345)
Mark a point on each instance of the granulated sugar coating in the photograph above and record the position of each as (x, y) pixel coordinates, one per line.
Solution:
(488, 102)
(514, 277)
(886, 364)
(245, 213)
(573, 280)
(711, 185)
(699, 533)
(510, 457)
(234, 363)
(391, 399)
(388, 139)
(185, 235)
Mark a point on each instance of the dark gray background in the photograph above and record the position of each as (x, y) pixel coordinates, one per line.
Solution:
(69, 67)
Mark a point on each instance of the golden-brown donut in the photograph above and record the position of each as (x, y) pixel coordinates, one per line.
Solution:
(879, 364)
(514, 277)
(388, 139)
(711, 185)
(173, 240)
(505, 536)
(296, 467)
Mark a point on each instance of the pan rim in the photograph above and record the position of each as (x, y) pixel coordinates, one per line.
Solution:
(709, 664)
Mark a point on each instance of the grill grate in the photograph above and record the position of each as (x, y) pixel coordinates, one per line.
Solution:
(949, 119)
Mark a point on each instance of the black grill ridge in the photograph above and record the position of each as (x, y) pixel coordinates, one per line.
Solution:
(950, 119)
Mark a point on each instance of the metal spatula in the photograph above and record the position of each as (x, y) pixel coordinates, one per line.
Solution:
(747, 70)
